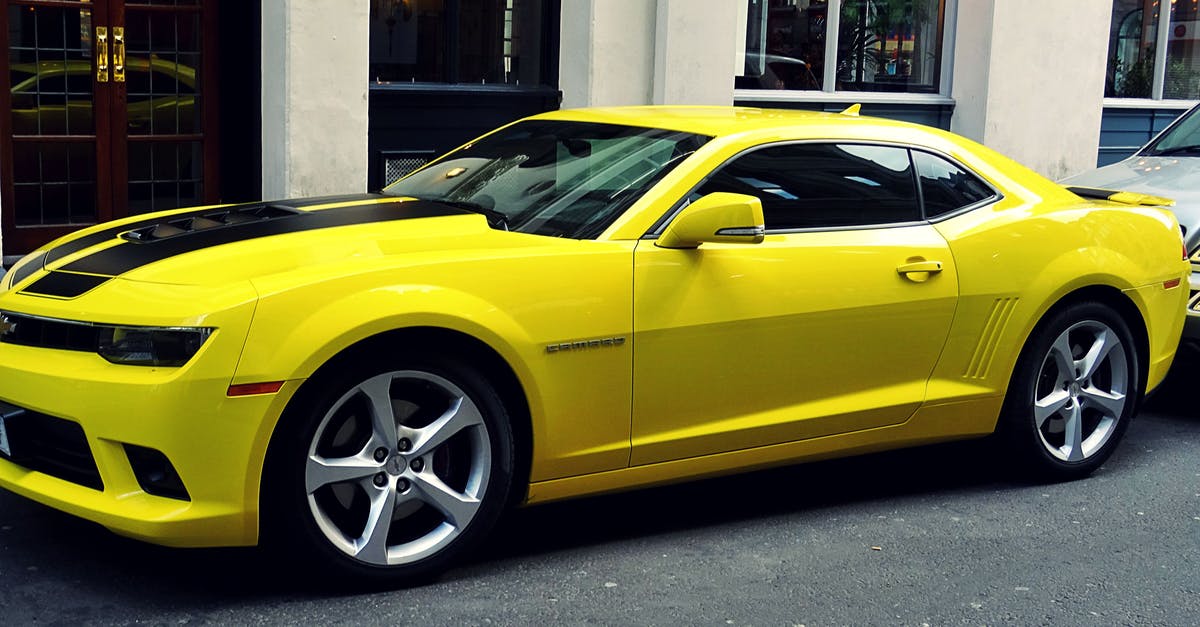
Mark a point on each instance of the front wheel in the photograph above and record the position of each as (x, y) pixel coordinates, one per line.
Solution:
(391, 473)
(1076, 387)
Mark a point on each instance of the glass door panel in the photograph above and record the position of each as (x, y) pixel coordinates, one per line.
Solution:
(108, 112)
(52, 118)
(165, 141)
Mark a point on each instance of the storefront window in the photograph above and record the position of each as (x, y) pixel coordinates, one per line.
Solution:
(1149, 59)
(1182, 76)
(457, 41)
(1131, 49)
(881, 45)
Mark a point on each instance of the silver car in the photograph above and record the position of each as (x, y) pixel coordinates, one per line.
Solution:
(1168, 166)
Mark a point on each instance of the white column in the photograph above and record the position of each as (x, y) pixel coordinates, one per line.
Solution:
(694, 51)
(634, 52)
(606, 53)
(1029, 79)
(314, 97)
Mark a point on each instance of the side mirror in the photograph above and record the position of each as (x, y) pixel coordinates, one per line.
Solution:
(716, 217)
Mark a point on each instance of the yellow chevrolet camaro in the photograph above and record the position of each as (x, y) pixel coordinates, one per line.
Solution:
(579, 302)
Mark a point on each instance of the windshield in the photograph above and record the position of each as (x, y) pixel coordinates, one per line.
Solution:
(1181, 139)
(556, 178)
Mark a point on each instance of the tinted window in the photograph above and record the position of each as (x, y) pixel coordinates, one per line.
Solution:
(556, 178)
(823, 185)
(1182, 138)
(947, 187)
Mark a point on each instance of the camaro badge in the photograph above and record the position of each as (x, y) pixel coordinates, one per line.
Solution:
(579, 345)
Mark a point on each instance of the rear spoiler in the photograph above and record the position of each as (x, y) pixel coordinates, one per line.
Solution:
(1125, 198)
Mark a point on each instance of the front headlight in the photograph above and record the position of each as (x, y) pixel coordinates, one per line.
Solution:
(127, 345)
(149, 346)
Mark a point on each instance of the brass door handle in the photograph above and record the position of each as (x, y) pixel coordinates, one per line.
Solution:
(118, 54)
(101, 54)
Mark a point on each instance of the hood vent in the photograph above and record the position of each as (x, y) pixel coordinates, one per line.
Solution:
(216, 219)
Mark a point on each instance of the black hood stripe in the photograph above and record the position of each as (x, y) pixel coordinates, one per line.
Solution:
(104, 235)
(127, 255)
(22, 272)
(65, 284)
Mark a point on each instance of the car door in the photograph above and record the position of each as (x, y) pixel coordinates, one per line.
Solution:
(832, 324)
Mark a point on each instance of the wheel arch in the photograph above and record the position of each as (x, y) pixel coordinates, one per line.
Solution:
(1023, 435)
(1119, 302)
(421, 340)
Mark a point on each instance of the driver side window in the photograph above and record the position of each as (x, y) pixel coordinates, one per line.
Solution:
(812, 185)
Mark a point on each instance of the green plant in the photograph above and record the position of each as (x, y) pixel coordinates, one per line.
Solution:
(864, 26)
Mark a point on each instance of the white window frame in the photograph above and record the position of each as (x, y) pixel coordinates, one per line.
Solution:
(1156, 100)
(829, 79)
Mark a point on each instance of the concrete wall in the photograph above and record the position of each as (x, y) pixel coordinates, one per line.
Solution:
(1029, 79)
(314, 97)
(632, 52)
(606, 52)
(695, 52)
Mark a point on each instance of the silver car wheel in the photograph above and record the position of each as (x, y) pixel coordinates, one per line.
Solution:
(398, 467)
(1081, 391)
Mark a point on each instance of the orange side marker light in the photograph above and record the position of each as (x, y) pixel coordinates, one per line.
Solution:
(250, 389)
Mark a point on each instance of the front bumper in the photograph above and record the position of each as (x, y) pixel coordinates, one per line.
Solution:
(92, 413)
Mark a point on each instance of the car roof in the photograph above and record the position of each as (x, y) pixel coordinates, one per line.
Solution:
(719, 121)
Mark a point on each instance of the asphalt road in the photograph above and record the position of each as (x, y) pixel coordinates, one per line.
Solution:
(935, 536)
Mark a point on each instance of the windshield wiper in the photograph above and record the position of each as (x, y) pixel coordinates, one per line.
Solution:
(495, 218)
(1178, 150)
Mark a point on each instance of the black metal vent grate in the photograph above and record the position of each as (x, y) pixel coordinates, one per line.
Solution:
(43, 333)
(214, 220)
(52, 446)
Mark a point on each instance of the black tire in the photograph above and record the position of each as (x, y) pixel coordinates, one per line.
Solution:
(441, 495)
(1065, 413)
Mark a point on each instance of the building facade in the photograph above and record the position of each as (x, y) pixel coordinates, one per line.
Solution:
(117, 107)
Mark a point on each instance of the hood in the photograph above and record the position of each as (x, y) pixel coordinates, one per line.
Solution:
(1173, 177)
(221, 245)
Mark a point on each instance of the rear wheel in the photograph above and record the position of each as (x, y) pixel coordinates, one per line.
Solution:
(391, 473)
(1075, 390)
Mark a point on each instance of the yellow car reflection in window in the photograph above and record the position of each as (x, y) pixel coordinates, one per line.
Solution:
(56, 97)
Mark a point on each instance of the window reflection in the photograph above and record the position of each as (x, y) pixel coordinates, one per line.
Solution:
(1182, 79)
(889, 45)
(456, 41)
(1131, 49)
(882, 45)
(1136, 45)
(785, 45)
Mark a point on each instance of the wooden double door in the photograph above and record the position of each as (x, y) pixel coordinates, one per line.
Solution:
(109, 110)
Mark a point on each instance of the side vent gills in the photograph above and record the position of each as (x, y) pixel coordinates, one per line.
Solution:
(993, 330)
(215, 220)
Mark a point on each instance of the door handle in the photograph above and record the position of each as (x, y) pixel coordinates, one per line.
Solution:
(118, 54)
(101, 54)
(919, 271)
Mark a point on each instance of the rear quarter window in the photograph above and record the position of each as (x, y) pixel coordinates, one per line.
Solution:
(947, 187)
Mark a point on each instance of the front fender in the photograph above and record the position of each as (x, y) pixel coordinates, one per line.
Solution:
(280, 347)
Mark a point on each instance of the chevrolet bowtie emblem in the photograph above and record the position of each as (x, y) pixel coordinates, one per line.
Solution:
(7, 326)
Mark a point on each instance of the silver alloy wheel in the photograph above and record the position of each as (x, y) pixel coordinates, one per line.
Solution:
(1081, 391)
(398, 467)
